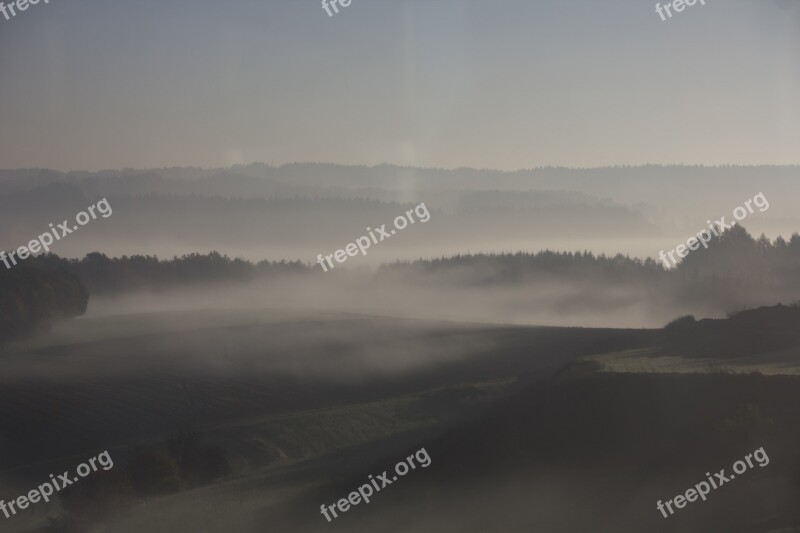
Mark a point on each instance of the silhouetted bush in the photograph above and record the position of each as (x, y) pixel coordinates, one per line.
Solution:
(680, 323)
(35, 292)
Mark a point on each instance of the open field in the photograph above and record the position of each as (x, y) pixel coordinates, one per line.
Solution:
(785, 362)
(576, 451)
(270, 388)
(304, 407)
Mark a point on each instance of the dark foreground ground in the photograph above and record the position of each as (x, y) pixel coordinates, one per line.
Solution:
(586, 451)
(218, 424)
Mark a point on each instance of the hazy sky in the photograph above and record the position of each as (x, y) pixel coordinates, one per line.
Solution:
(485, 83)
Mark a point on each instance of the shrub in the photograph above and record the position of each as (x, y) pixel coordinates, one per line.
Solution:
(680, 323)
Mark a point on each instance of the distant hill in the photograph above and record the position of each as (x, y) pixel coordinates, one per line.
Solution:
(315, 205)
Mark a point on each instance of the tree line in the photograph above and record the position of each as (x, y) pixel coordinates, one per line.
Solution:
(36, 292)
(45, 288)
(736, 272)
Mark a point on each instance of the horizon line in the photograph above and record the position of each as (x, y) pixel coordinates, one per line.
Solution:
(408, 167)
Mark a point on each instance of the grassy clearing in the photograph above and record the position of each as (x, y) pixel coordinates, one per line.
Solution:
(649, 361)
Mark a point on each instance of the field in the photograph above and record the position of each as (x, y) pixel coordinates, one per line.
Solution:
(527, 427)
(272, 388)
(644, 361)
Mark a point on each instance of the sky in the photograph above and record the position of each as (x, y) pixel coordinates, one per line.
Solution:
(504, 84)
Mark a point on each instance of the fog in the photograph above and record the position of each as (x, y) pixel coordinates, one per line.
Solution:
(299, 211)
(552, 304)
(367, 252)
(284, 384)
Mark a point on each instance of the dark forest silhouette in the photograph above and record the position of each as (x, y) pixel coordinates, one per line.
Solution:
(36, 292)
(736, 272)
